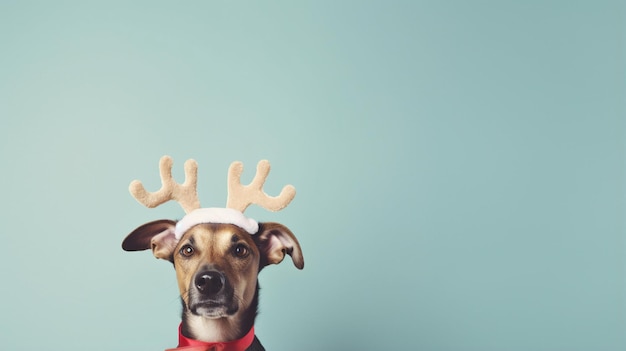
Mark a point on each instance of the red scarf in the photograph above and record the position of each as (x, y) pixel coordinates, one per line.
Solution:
(186, 344)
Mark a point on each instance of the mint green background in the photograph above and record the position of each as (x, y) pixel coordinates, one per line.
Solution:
(460, 167)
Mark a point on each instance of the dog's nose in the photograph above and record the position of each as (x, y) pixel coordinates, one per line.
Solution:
(210, 283)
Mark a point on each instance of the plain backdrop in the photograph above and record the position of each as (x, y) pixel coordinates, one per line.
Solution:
(460, 167)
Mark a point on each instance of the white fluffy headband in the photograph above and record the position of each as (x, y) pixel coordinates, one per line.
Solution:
(239, 196)
(215, 215)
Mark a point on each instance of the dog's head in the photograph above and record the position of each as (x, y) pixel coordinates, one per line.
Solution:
(217, 264)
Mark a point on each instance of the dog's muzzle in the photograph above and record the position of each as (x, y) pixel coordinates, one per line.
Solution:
(211, 295)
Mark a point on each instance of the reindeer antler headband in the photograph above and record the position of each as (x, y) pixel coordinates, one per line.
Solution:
(239, 196)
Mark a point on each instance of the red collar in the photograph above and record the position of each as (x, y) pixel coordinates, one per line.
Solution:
(186, 344)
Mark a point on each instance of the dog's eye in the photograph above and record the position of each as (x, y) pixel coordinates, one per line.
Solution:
(241, 251)
(186, 250)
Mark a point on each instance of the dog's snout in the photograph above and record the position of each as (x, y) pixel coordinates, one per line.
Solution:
(210, 282)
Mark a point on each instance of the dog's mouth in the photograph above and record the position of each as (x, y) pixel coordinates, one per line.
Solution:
(213, 309)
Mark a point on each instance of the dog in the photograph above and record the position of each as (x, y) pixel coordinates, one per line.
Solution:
(217, 254)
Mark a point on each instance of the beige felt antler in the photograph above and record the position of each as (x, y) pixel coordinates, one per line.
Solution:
(185, 194)
(241, 196)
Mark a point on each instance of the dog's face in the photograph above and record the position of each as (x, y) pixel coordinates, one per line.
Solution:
(216, 268)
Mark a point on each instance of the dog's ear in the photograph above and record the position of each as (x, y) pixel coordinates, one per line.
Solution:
(157, 235)
(274, 240)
